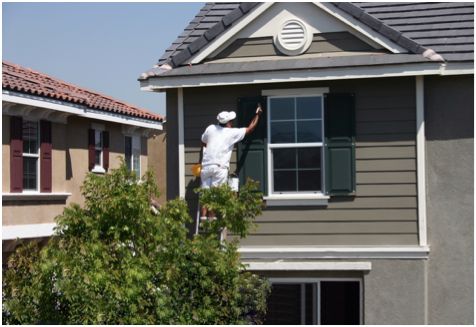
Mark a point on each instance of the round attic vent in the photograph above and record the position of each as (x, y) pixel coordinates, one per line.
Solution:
(293, 38)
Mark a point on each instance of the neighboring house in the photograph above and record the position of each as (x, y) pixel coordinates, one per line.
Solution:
(54, 133)
(364, 153)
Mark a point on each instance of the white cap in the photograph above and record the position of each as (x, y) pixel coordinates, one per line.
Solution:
(225, 116)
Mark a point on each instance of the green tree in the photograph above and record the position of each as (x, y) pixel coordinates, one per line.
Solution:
(115, 261)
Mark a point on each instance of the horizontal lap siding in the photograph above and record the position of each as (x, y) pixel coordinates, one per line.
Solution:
(384, 212)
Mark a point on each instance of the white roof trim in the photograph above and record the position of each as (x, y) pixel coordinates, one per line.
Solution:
(430, 68)
(307, 266)
(314, 252)
(73, 109)
(345, 18)
(360, 28)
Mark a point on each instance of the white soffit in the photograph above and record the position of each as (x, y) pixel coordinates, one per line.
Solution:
(265, 21)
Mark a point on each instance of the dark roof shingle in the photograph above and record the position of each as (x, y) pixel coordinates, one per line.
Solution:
(25, 80)
(446, 27)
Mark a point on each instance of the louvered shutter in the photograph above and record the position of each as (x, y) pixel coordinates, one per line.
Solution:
(45, 157)
(252, 152)
(16, 154)
(91, 149)
(339, 115)
(105, 150)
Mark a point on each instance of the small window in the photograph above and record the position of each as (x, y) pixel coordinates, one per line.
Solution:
(31, 155)
(296, 133)
(314, 302)
(132, 150)
(98, 142)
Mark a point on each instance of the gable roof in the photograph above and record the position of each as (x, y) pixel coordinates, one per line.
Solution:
(27, 81)
(447, 28)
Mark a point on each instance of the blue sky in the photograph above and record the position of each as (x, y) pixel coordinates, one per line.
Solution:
(98, 46)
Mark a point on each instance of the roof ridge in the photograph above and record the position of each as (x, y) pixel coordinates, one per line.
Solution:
(83, 93)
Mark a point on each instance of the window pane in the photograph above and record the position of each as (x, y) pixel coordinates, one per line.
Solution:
(136, 158)
(284, 305)
(128, 152)
(30, 137)
(309, 158)
(97, 158)
(285, 181)
(340, 303)
(309, 131)
(309, 180)
(98, 139)
(309, 107)
(29, 173)
(282, 132)
(311, 304)
(282, 108)
(284, 158)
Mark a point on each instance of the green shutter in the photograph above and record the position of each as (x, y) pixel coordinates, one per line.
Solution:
(339, 117)
(252, 151)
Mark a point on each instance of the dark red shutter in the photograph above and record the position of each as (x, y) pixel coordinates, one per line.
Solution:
(16, 154)
(91, 149)
(105, 150)
(46, 149)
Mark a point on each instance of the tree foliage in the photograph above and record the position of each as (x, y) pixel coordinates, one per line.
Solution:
(114, 261)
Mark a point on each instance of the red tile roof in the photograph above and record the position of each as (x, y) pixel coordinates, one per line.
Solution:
(25, 80)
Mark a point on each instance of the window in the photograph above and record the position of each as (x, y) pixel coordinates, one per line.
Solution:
(295, 146)
(98, 145)
(98, 149)
(315, 302)
(303, 149)
(31, 155)
(132, 153)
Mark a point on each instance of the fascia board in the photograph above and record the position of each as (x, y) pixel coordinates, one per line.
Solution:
(77, 110)
(265, 77)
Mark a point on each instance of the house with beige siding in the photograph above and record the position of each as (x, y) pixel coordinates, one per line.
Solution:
(364, 152)
(53, 134)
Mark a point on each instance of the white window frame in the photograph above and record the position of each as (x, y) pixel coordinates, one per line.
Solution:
(98, 130)
(317, 281)
(33, 155)
(135, 145)
(294, 198)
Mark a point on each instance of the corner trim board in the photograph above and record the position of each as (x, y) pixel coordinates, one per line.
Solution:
(421, 160)
(181, 146)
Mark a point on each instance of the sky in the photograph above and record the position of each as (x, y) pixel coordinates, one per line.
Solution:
(98, 46)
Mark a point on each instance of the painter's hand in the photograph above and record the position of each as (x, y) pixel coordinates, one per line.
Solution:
(259, 111)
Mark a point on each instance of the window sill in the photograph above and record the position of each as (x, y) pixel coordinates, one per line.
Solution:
(98, 170)
(297, 200)
(34, 196)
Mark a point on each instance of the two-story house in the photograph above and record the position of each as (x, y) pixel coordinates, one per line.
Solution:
(53, 134)
(364, 152)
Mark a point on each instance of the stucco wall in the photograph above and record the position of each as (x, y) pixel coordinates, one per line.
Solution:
(450, 200)
(394, 293)
(69, 165)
